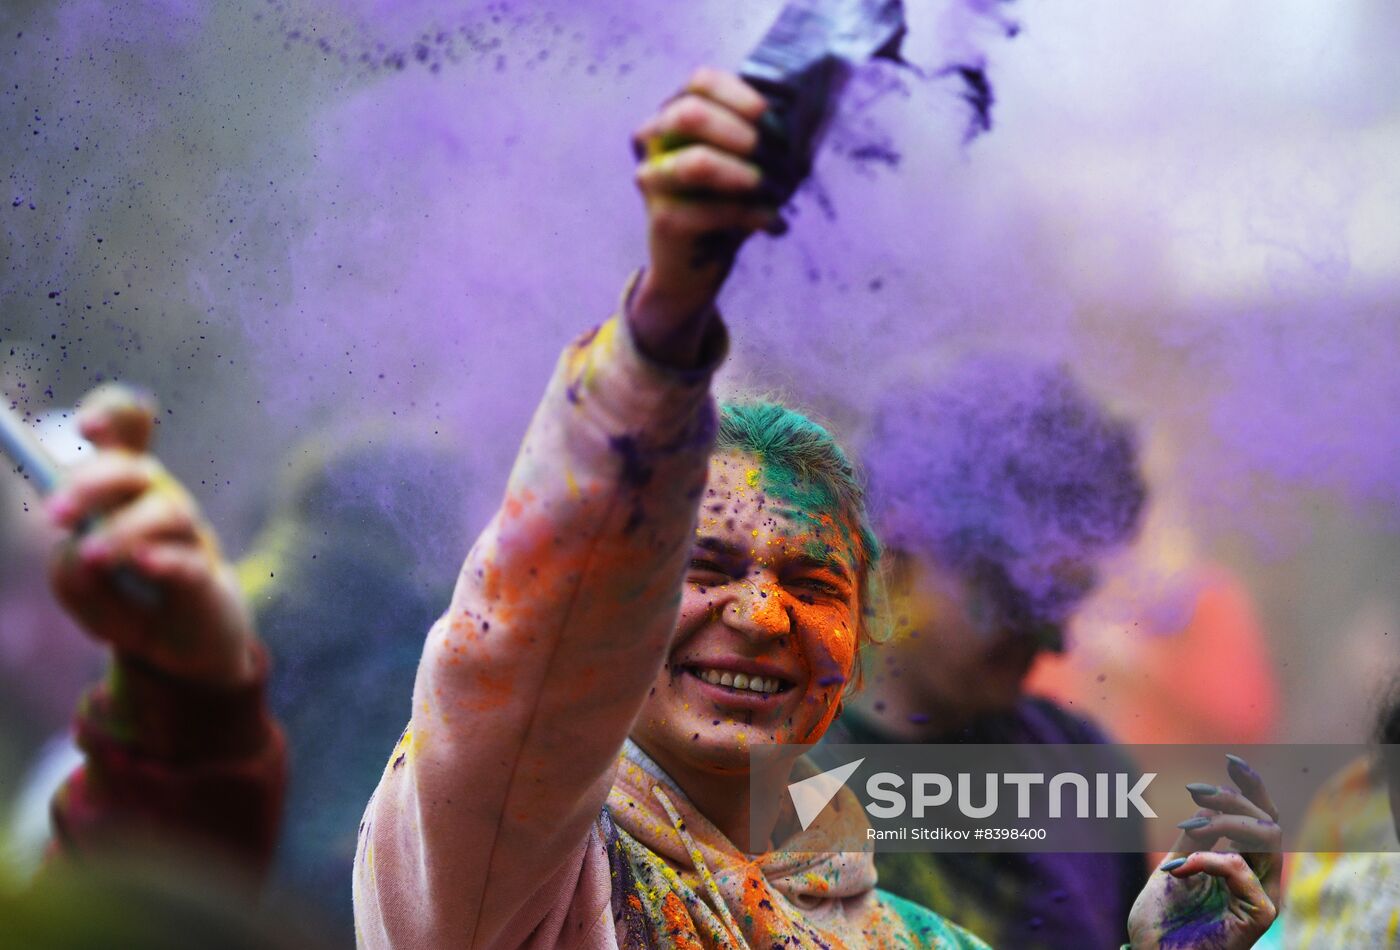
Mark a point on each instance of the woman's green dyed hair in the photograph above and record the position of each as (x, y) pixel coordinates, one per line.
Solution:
(805, 466)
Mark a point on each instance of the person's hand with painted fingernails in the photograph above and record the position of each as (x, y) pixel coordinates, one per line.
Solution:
(133, 530)
(1223, 900)
(702, 193)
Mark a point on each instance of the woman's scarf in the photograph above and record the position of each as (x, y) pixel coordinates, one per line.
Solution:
(682, 884)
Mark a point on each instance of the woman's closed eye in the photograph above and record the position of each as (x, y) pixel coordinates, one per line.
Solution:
(705, 569)
(816, 586)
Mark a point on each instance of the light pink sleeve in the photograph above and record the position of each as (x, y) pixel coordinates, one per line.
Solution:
(480, 827)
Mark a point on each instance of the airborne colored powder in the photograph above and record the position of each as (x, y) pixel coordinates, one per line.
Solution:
(1009, 465)
(280, 216)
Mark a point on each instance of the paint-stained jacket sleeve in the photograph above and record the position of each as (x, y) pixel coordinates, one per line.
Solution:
(480, 833)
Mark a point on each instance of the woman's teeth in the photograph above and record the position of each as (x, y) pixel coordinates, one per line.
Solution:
(754, 684)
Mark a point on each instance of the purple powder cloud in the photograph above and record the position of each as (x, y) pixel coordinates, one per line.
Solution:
(277, 232)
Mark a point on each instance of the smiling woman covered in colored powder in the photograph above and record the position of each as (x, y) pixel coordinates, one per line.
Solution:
(660, 590)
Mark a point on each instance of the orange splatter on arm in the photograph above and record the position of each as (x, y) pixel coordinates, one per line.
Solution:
(562, 614)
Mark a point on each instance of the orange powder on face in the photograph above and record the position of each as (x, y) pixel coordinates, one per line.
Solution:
(830, 660)
(767, 608)
(837, 650)
(788, 538)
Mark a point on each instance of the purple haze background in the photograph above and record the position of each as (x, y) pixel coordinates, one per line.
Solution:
(313, 214)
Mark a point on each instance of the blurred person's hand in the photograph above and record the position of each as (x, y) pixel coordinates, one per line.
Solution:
(703, 198)
(140, 568)
(1223, 900)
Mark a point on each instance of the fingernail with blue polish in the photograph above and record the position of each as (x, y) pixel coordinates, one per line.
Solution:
(1240, 763)
(1173, 864)
(1191, 824)
(1201, 788)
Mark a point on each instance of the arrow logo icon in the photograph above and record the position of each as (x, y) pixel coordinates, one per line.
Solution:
(811, 795)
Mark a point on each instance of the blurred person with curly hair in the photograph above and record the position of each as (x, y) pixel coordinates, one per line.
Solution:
(997, 489)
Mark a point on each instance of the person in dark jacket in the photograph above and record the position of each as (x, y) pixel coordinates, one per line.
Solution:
(997, 489)
(343, 576)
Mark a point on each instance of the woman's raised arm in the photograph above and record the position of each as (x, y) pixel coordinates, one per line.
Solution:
(566, 604)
